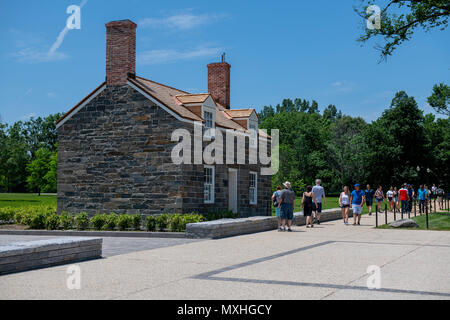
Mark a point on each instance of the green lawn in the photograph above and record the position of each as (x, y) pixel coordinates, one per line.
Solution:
(436, 221)
(25, 199)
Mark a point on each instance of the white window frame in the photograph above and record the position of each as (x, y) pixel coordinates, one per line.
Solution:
(253, 138)
(205, 112)
(211, 185)
(255, 188)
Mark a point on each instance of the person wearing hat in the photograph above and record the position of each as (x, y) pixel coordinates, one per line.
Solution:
(286, 205)
(356, 203)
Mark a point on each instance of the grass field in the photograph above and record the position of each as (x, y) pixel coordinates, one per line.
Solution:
(436, 221)
(25, 199)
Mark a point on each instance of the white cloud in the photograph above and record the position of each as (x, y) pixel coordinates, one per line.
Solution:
(168, 56)
(343, 86)
(37, 55)
(184, 21)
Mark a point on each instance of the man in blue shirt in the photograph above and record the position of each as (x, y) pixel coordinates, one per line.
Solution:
(369, 198)
(422, 195)
(356, 203)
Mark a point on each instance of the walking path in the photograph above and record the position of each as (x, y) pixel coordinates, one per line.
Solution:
(327, 262)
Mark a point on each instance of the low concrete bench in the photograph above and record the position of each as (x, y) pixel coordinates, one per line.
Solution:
(30, 255)
(233, 227)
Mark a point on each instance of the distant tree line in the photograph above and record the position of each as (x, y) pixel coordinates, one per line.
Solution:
(402, 145)
(28, 155)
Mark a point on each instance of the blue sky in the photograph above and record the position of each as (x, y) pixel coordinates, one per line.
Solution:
(282, 49)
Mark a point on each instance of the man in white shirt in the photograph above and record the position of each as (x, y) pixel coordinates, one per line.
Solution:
(319, 193)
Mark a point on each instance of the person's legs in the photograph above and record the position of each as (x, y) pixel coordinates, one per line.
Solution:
(319, 211)
(343, 214)
(290, 216)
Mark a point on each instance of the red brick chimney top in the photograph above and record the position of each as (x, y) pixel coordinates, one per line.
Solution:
(219, 82)
(120, 52)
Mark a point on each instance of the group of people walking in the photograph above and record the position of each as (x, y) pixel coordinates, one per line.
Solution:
(312, 199)
(284, 203)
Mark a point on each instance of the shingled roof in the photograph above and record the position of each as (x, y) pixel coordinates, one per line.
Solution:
(176, 99)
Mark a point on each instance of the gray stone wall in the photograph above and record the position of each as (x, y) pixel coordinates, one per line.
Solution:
(115, 156)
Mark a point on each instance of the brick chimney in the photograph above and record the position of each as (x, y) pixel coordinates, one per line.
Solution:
(120, 52)
(219, 82)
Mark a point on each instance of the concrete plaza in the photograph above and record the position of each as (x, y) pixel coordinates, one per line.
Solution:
(327, 262)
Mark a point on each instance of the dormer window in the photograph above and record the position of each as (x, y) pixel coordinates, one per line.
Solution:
(209, 121)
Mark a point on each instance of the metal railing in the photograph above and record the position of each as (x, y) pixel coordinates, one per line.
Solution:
(418, 207)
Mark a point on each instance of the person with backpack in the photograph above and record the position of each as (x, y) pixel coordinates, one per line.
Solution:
(379, 196)
(275, 199)
(287, 205)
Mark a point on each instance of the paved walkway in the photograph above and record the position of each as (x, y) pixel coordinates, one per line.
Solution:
(112, 246)
(327, 262)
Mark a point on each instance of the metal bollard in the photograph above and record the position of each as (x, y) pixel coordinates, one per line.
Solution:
(395, 213)
(426, 212)
(376, 216)
(385, 214)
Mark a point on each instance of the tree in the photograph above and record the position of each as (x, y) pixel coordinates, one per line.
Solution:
(14, 158)
(38, 169)
(395, 144)
(331, 113)
(345, 152)
(399, 24)
(440, 99)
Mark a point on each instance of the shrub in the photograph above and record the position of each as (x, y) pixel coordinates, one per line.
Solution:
(82, 221)
(36, 220)
(111, 221)
(136, 221)
(6, 215)
(162, 222)
(124, 222)
(150, 224)
(52, 221)
(176, 223)
(98, 221)
(66, 220)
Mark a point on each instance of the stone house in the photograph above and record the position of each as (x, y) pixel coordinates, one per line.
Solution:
(116, 146)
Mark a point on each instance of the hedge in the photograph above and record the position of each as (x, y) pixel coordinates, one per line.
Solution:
(45, 217)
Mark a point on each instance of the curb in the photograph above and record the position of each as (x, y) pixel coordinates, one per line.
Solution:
(111, 234)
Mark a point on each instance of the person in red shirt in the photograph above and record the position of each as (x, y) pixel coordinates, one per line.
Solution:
(404, 198)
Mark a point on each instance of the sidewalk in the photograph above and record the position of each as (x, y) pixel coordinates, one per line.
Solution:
(327, 262)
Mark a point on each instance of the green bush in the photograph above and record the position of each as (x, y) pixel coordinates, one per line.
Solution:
(52, 221)
(66, 220)
(124, 222)
(82, 221)
(136, 221)
(176, 223)
(20, 216)
(162, 222)
(98, 221)
(37, 220)
(111, 221)
(150, 224)
(6, 215)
